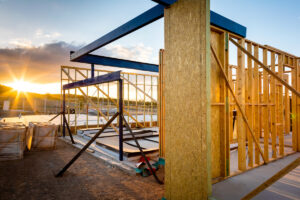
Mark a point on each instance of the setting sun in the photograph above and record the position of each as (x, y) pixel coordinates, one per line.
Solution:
(25, 86)
(21, 86)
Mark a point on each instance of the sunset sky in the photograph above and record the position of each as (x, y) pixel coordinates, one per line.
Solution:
(37, 35)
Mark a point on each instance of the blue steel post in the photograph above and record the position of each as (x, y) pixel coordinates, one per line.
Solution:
(121, 120)
(63, 112)
(92, 70)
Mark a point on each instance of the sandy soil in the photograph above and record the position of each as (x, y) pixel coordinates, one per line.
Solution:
(88, 178)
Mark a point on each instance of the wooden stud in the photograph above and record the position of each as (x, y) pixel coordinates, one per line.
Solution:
(273, 108)
(280, 106)
(228, 112)
(294, 110)
(240, 82)
(265, 110)
(286, 107)
(128, 97)
(297, 134)
(256, 99)
(249, 108)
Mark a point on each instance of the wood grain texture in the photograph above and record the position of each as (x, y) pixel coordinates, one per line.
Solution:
(187, 100)
(280, 106)
(265, 108)
(256, 97)
(273, 108)
(240, 85)
(250, 108)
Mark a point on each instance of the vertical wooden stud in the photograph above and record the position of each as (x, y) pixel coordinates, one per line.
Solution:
(273, 107)
(265, 109)
(249, 100)
(241, 129)
(280, 106)
(256, 101)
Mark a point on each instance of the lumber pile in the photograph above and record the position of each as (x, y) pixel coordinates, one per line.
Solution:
(12, 141)
(41, 136)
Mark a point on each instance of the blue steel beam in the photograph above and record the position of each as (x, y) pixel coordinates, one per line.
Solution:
(116, 62)
(140, 21)
(227, 24)
(114, 76)
(147, 17)
(165, 2)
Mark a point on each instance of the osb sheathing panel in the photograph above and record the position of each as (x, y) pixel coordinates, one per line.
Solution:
(187, 100)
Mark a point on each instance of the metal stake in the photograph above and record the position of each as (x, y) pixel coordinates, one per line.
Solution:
(86, 146)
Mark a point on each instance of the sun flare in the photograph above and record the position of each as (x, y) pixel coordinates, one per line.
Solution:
(26, 86)
(21, 86)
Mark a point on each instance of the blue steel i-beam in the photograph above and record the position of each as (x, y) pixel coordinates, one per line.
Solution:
(114, 76)
(116, 62)
(146, 18)
(140, 21)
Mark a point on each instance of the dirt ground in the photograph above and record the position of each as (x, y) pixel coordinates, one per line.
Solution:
(88, 178)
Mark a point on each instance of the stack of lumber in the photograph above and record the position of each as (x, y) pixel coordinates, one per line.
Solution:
(12, 141)
(41, 136)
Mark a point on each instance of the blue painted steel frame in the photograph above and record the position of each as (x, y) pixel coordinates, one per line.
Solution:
(114, 76)
(227, 24)
(153, 14)
(116, 62)
(138, 22)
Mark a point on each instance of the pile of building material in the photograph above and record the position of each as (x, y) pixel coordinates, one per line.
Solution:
(41, 136)
(12, 141)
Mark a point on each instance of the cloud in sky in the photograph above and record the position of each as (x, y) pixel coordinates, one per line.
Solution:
(138, 52)
(41, 64)
(21, 43)
(38, 64)
(41, 34)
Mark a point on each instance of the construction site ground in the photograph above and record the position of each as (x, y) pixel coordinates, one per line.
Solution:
(91, 178)
(88, 178)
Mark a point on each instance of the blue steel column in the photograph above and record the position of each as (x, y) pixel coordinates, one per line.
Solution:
(63, 112)
(121, 120)
(92, 70)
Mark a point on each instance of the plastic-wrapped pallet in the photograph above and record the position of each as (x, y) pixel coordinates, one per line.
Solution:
(12, 141)
(41, 136)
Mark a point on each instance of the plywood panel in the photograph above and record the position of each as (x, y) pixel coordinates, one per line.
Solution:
(187, 100)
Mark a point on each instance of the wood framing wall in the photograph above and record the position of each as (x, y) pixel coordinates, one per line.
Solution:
(140, 94)
(272, 110)
(186, 80)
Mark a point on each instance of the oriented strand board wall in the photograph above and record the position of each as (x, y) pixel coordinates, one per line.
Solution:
(187, 100)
